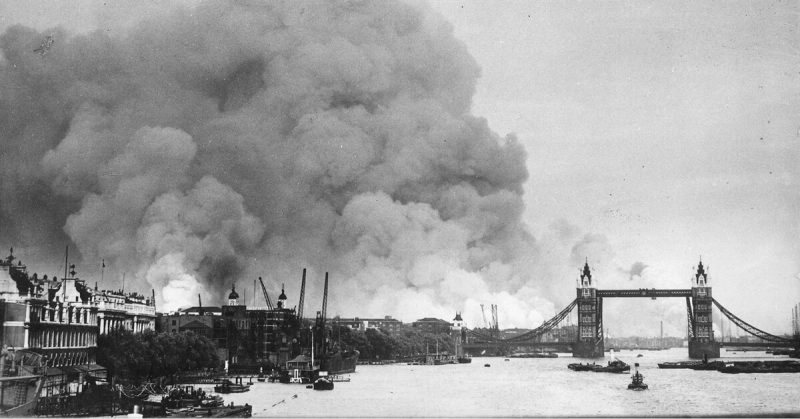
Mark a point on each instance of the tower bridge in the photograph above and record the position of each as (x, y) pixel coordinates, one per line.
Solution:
(588, 341)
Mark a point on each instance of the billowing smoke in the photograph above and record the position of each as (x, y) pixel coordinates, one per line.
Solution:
(636, 270)
(208, 146)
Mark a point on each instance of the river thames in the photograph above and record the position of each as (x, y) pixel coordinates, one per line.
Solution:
(534, 387)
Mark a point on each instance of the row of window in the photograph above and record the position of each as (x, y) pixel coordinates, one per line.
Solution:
(67, 314)
(62, 338)
(587, 331)
(703, 331)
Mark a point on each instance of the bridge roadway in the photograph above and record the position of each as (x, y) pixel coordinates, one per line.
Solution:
(645, 292)
(477, 346)
(757, 344)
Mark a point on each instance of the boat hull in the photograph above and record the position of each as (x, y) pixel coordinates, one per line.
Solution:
(340, 362)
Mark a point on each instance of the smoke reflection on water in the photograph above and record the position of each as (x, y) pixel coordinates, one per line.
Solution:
(532, 387)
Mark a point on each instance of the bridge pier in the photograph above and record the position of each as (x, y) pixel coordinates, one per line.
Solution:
(588, 349)
(699, 349)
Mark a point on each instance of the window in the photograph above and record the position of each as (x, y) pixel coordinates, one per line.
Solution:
(587, 331)
(174, 322)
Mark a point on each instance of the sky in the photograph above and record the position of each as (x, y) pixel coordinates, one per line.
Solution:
(670, 128)
(655, 134)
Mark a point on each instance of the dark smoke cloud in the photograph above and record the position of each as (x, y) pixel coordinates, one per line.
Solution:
(216, 144)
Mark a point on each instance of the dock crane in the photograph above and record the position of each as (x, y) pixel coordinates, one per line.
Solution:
(325, 300)
(302, 297)
(266, 296)
(495, 326)
(320, 326)
(483, 313)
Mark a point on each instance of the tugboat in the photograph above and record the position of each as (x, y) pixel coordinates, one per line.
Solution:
(261, 377)
(637, 380)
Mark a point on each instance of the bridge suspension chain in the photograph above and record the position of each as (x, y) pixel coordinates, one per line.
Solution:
(546, 326)
(690, 318)
(481, 336)
(748, 327)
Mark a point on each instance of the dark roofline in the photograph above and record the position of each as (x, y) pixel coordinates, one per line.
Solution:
(198, 309)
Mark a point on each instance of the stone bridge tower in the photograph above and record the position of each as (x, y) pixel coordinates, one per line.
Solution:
(701, 330)
(589, 343)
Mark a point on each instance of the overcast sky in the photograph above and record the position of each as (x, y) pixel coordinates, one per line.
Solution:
(669, 127)
(669, 130)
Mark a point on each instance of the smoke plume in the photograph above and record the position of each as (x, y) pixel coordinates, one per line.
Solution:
(207, 146)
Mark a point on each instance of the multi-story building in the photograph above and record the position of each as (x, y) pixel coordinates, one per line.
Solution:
(56, 318)
(386, 324)
(245, 337)
(131, 311)
(432, 325)
(200, 320)
(62, 319)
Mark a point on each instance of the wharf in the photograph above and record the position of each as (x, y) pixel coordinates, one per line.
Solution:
(229, 411)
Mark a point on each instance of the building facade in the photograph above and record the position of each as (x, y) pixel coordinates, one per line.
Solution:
(246, 338)
(387, 324)
(432, 325)
(61, 319)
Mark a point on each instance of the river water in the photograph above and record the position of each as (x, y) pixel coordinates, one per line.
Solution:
(534, 387)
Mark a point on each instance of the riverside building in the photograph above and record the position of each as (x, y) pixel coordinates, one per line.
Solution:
(62, 319)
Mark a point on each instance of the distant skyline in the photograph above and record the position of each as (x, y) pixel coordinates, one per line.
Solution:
(656, 134)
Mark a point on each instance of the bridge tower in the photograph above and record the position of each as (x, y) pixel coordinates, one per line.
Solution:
(701, 330)
(458, 331)
(589, 342)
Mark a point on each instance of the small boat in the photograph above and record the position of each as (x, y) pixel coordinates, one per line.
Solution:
(678, 364)
(323, 383)
(615, 366)
(261, 377)
(637, 380)
(639, 356)
(487, 365)
(536, 355)
(464, 360)
(583, 367)
(227, 386)
(506, 360)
